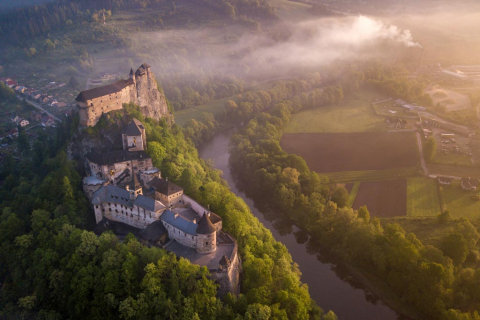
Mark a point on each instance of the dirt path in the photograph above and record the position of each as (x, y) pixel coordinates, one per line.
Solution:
(422, 156)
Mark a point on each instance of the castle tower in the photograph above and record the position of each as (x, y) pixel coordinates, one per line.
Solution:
(131, 76)
(206, 235)
(134, 187)
(134, 137)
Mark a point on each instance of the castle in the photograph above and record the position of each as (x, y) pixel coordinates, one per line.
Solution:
(140, 88)
(129, 194)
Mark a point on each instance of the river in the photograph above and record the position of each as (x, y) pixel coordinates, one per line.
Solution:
(329, 284)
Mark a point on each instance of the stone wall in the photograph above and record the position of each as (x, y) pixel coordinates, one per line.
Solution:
(229, 279)
(103, 171)
(180, 236)
(207, 243)
(137, 217)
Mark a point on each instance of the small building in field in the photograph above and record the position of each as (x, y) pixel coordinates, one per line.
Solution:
(469, 184)
(445, 181)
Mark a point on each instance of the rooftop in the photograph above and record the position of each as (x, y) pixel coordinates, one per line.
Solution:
(115, 156)
(205, 226)
(133, 128)
(103, 91)
(153, 231)
(164, 186)
(179, 222)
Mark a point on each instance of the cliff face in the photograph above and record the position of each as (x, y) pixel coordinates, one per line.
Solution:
(153, 102)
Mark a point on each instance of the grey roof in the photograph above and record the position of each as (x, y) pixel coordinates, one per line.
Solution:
(153, 231)
(164, 186)
(179, 222)
(133, 128)
(141, 70)
(103, 91)
(148, 203)
(205, 226)
(115, 156)
(112, 194)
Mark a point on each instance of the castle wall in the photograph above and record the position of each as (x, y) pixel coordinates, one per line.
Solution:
(200, 210)
(92, 110)
(137, 217)
(148, 175)
(130, 141)
(180, 236)
(103, 171)
(229, 279)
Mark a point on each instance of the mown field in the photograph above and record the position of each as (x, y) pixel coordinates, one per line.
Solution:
(353, 115)
(334, 152)
(372, 175)
(459, 202)
(382, 198)
(422, 198)
(216, 106)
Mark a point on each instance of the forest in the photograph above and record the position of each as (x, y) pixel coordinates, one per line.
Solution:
(53, 267)
(23, 24)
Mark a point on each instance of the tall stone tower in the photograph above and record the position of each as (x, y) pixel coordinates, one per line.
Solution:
(206, 235)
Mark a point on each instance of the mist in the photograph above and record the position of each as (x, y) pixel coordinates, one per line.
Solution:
(308, 44)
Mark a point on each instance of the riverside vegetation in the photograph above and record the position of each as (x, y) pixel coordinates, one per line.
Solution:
(438, 281)
(53, 267)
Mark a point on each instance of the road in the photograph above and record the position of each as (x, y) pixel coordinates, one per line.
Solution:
(36, 105)
(422, 156)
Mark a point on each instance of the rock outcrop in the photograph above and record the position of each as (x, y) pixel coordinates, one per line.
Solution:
(140, 88)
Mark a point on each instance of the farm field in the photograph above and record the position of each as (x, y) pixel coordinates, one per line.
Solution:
(422, 198)
(457, 171)
(372, 175)
(182, 116)
(353, 115)
(453, 159)
(334, 152)
(383, 198)
(352, 193)
(459, 202)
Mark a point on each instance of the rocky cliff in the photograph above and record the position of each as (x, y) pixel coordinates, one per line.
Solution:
(148, 97)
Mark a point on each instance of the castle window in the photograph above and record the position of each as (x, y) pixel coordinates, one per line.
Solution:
(96, 207)
(116, 210)
(206, 244)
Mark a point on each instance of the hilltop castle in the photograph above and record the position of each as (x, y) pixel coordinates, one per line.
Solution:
(140, 88)
(128, 194)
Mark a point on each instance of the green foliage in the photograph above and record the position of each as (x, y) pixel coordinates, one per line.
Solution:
(444, 217)
(430, 149)
(340, 196)
(455, 246)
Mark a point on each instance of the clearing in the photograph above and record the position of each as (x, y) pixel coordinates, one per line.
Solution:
(334, 152)
(422, 198)
(353, 115)
(459, 201)
(383, 198)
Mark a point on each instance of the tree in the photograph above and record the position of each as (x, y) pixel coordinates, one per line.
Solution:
(340, 196)
(364, 214)
(157, 152)
(444, 217)
(73, 83)
(430, 148)
(455, 246)
(23, 143)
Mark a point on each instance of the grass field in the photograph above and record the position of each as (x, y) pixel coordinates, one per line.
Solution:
(353, 115)
(353, 194)
(372, 175)
(459, 202)
(422, 198)
(453, 159)
(182, 116)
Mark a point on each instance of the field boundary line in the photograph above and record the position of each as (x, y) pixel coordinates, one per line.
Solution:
(353, 194)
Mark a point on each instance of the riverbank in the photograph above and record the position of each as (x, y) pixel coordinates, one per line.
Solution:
(331, 289)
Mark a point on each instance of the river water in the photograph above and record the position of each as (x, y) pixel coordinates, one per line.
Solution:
(329, 284)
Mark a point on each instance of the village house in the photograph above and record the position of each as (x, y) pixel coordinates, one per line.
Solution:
(445, 181)
(24, 123)
(469, 184)
(47, 121)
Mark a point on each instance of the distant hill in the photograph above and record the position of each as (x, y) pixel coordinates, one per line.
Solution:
(6, 5)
